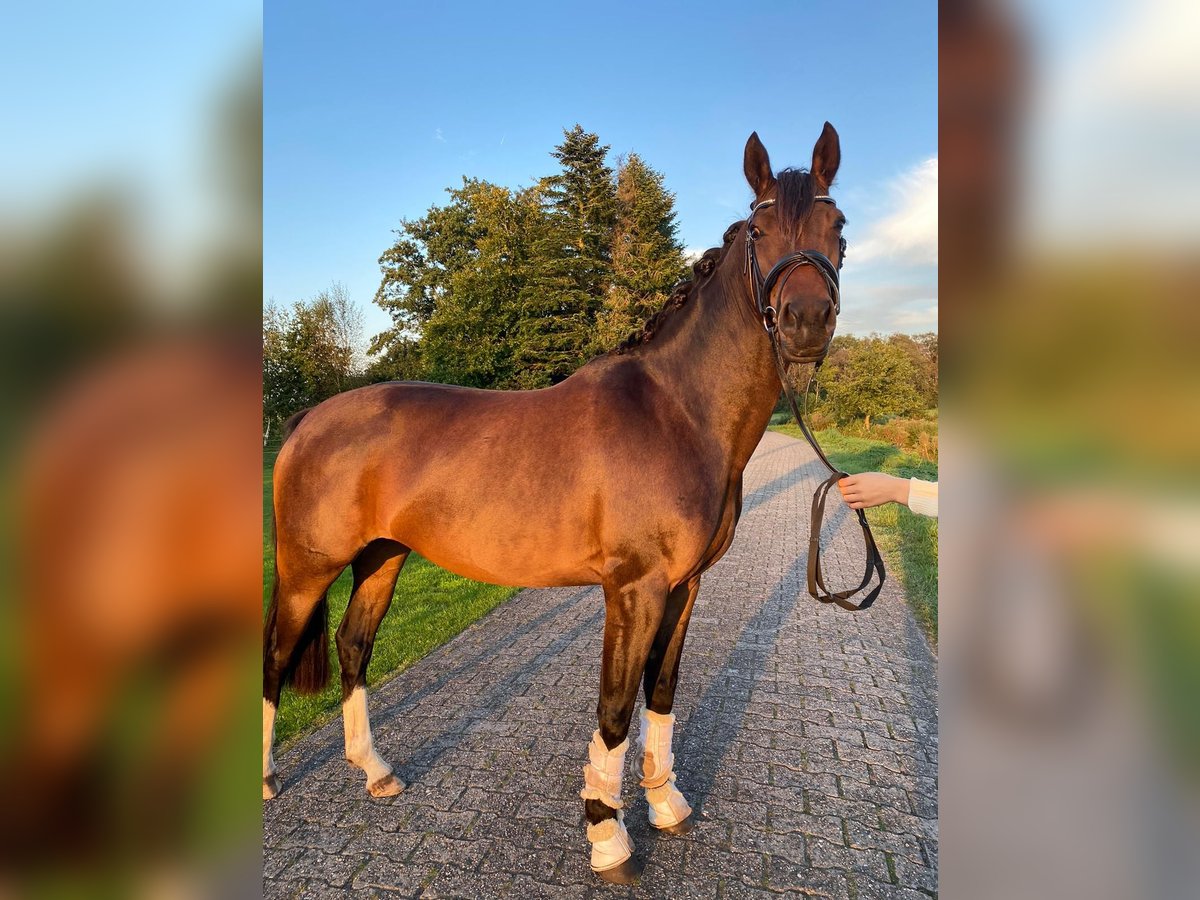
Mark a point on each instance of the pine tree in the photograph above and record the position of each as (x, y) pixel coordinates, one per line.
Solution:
(573, 255)
(582, 197)
(647, 256)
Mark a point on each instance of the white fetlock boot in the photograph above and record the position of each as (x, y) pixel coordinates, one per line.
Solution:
(668, 808)
(611, 844)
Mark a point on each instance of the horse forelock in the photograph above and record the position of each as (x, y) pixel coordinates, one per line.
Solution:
(795, 192)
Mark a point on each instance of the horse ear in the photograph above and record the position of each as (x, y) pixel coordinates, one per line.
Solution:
(757, 166)
(827, 156)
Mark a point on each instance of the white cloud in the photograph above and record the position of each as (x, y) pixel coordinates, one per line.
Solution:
(438, 136)
(909, 307)
(908, 232)
(1115, 132)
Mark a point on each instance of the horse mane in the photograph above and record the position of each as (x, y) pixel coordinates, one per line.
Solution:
(796, 191)
(702, 269)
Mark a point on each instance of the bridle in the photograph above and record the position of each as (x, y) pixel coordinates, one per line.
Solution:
(761, 287)
(761, 290)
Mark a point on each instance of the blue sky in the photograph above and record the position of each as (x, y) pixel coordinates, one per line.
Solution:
(373, 109)
(123, 99)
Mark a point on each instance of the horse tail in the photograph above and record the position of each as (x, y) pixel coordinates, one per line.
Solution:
(308, 670)
(290, 425)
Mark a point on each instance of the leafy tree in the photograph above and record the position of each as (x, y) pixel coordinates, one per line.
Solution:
(866, 377)
(518, 288)
(400, 361)
(418, 267)
(922, 350)
(647, 256)
(454, 280)
(310, 352)
(283, 385)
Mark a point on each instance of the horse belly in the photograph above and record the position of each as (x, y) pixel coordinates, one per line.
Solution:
(502, 537)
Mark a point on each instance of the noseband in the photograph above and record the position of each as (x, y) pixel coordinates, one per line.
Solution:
(782, 271)
(761, 290)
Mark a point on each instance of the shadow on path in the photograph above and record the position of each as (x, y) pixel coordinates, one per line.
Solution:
(309, 754)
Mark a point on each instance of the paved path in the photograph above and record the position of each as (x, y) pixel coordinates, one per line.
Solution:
(807, 741)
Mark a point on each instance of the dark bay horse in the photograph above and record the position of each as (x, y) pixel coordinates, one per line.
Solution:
(628, 475)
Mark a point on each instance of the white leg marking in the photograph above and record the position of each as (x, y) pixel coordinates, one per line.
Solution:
(268, 742)
(360, 748)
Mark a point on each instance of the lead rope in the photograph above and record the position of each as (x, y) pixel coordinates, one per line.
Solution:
(816, 581)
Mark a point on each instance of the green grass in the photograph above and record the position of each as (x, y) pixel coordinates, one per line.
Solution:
(430, 607)
(909, 542)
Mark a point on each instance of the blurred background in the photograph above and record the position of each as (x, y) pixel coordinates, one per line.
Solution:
(1070, 563)
(130, 395)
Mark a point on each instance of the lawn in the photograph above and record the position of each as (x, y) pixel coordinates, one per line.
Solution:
(430, 607)
(909, 542)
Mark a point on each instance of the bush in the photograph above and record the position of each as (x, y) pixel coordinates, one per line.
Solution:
(917, 436)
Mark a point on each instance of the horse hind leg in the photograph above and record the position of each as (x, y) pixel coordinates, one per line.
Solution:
(295, 641)
(668, 809)
(375, 572)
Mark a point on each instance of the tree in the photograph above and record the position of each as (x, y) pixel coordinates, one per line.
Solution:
(310, 352)
(518, 288)
(573, 262)
(922, 350)
(400, 361)
(647, 256)
(866, 377)
(454, 280)
(582, 200)
(283, 385)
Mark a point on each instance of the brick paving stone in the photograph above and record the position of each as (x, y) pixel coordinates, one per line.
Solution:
(806, 741)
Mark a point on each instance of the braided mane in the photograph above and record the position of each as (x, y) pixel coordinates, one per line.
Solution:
(702, 269)
(795, 193)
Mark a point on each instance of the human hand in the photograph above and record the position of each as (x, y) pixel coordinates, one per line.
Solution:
(873, 489)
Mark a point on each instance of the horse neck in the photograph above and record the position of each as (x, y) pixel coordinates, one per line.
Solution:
(718, 360)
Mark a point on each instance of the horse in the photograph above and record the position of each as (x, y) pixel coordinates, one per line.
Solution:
(627, 474)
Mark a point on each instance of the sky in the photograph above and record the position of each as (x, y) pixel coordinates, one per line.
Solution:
(371, 110)
(123, 100)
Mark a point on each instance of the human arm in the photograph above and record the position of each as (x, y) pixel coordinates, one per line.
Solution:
(870, 489)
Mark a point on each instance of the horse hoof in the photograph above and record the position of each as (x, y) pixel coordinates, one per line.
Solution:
(387, 786)
(687, 826)
(271, 787)
(627, 872)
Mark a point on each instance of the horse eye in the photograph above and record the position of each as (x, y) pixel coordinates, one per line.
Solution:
(755, 232)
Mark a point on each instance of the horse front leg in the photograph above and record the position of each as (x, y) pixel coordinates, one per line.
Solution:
(633, 612)
(668, 809)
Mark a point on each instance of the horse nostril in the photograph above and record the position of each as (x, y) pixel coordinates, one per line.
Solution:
(829, 314)
(789, 314)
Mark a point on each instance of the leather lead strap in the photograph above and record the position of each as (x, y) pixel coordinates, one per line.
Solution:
(761, 288)
(816, 581)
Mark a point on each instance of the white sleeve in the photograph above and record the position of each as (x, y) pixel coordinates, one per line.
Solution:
(923, 497)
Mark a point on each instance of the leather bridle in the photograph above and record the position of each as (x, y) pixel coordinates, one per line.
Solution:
(761, 290)
(780, 272)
